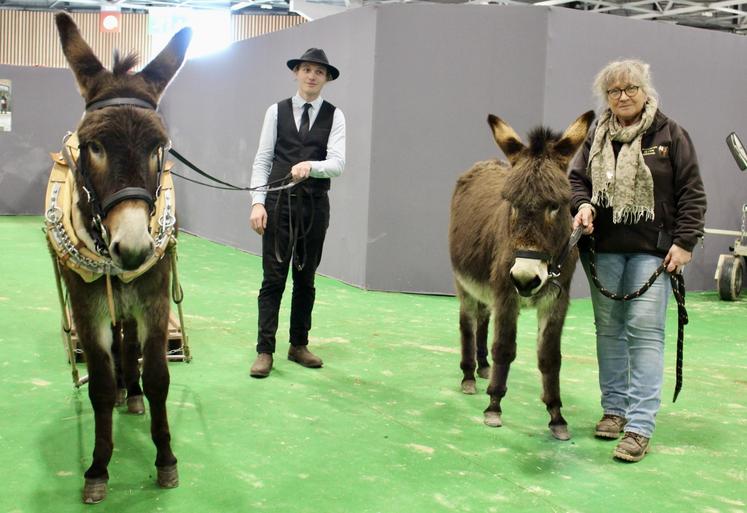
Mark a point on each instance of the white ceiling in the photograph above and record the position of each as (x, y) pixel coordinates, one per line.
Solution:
(722, 15)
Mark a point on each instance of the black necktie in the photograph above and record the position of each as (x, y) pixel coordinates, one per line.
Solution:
(303, 130)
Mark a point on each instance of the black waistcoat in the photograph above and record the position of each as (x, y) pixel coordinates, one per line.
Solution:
(290, 149)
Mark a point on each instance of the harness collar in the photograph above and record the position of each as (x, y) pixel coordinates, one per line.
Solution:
(71, 251)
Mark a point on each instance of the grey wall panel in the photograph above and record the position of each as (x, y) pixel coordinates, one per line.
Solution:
(699, 86)
(215, 109)
(46, 104)
(439, 71)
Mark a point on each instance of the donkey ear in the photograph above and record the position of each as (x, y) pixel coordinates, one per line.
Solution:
(162, 69)
(85, 65)
(507, 139)
(573, 136)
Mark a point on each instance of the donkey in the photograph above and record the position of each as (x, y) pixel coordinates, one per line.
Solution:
(122, 145)
(508, 228)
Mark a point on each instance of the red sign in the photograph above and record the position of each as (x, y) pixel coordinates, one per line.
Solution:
(109, 21)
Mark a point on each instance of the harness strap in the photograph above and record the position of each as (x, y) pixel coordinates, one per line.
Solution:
(110, 299)
(135, 102)
(127, 193)
(678, 290)
(534, 255)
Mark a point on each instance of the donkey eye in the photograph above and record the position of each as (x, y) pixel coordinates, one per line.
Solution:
(96, 148)
(553, 209)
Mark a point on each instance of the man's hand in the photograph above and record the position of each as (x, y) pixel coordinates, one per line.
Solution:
(584, 217)
(258, 218)
(677, 258)
(301, 171)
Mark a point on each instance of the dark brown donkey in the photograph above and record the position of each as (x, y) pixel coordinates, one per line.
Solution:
(509, 227)
(122, 141)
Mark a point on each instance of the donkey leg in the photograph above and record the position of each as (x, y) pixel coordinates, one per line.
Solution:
(131, 368)
(467, 309)
(156, 386)
(503, 353)
(102, 390)
(118, 372)
(481, 342)
(551, 318)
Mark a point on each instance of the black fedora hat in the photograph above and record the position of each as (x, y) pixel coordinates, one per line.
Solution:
(317, 56)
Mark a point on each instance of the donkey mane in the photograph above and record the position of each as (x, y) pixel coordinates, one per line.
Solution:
(123, 65)
(541, 180)
(539, 140)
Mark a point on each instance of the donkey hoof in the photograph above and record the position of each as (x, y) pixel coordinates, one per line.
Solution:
(135, 405)
(483, 372)
(94, 491)
(468, 386)
(119, 399)
(560, 432)
(493, 419)
(168, 476)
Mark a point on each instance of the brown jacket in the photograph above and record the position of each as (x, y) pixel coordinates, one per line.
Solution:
(679, 197)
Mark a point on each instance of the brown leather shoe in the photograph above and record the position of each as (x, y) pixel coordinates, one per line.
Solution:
(302, 356)
(262, 366)
(632, 447)
(609, 427)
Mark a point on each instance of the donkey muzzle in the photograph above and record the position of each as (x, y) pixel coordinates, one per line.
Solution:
(131, 243)
(529, 272)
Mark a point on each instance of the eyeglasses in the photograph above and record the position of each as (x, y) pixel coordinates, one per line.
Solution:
(630, 92)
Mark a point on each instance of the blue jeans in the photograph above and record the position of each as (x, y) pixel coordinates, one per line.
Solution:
(630, 337)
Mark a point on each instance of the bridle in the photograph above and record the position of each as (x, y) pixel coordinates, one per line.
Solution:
(102, 208)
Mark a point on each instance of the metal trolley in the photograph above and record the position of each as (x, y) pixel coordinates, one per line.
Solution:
(730, 268)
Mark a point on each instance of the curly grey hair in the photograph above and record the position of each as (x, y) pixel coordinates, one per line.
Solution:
(628, 70)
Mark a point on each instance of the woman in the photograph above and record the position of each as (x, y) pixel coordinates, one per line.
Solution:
(637, 188)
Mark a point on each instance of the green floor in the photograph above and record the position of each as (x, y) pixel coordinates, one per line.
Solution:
(382, 427)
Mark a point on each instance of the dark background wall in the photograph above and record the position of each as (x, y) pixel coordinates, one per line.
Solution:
(417, 83)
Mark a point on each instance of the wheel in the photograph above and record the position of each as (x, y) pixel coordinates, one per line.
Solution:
(729, 279)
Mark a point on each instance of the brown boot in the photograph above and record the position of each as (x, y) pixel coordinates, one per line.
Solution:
(262, 366)
(302, 356)
(609, 427)
(632, 447)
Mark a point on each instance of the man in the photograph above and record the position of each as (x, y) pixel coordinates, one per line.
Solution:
(303, 138)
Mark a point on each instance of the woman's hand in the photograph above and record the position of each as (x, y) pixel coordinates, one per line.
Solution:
(585, 217)
(677, 258)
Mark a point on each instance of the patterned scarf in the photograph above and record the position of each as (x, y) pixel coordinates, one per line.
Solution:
(624, 184)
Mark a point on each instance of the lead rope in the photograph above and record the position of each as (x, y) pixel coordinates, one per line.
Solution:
(297, 230)
(678, 289)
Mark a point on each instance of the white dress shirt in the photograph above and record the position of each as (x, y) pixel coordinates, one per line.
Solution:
(329, 168)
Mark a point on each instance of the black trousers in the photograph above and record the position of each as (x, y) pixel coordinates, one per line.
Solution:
(277, 240)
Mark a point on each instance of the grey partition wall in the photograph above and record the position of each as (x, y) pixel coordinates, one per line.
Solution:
(46, 104)
(417, 83)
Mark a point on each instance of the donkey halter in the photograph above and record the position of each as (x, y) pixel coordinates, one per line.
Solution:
(101, 209)
(554, 266)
